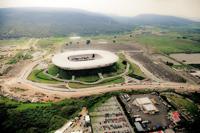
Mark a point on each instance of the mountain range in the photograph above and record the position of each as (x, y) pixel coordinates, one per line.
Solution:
(44, 22)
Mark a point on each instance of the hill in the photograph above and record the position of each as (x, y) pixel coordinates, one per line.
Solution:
(40, 22)
(162, 20)
(44, 22)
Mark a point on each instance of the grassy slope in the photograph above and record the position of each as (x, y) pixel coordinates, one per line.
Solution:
(106, 82)
(39, 76)
(134, 70)
(89, 78)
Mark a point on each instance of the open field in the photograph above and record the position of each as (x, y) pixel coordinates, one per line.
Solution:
(114, 47)
(168, 44)
(165, 59)
(187, 58)
(46, 43)
(167, 39)
(8, 42)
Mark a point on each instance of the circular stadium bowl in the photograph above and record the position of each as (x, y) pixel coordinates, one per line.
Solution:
(84, 59)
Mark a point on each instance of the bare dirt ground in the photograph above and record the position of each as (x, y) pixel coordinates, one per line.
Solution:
(165, 59)
(157, 68)
(187, 58)
(114, 47)
(17, 68)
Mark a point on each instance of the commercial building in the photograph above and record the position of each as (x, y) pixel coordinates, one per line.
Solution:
(146, 105)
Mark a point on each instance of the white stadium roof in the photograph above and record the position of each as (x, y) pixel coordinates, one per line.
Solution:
(84, 59)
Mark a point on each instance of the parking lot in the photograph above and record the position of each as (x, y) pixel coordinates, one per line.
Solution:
(148, 121)
(110, 118)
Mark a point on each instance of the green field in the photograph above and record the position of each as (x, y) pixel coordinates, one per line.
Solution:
(47, 43)
(168, 44)
(106, 82)
(40, 77)
(20, 41)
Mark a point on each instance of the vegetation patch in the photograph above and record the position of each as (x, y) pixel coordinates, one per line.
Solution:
(42, 117)
(168, 44)
(181, 102)
(40, 77)
(134, 70)
(19, 41)
(19, 56)
(105, 82)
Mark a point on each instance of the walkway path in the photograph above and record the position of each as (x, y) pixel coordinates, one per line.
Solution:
(90, 83)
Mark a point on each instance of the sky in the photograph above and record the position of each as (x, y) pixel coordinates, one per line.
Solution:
(182, 8)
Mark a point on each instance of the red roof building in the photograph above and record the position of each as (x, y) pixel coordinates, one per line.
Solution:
(175, 116)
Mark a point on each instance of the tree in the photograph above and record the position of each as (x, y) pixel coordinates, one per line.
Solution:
(169, 63)
(88, 41)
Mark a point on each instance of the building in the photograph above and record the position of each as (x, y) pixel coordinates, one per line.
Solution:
(84, 59)
(139, 127)
(146, 105)
(87, 120)
(175, 117)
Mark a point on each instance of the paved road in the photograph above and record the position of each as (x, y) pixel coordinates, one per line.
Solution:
(20, 81)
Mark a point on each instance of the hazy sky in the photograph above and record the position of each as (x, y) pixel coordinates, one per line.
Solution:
(183, 8)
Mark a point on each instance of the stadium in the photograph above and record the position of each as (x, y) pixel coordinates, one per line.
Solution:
(84, 69)
(84, 59)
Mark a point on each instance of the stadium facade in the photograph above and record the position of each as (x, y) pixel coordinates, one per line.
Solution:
(84, 59)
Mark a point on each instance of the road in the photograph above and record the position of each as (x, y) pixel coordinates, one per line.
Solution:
(55, 91)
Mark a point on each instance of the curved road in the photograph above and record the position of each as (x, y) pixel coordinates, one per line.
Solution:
(52, 89)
